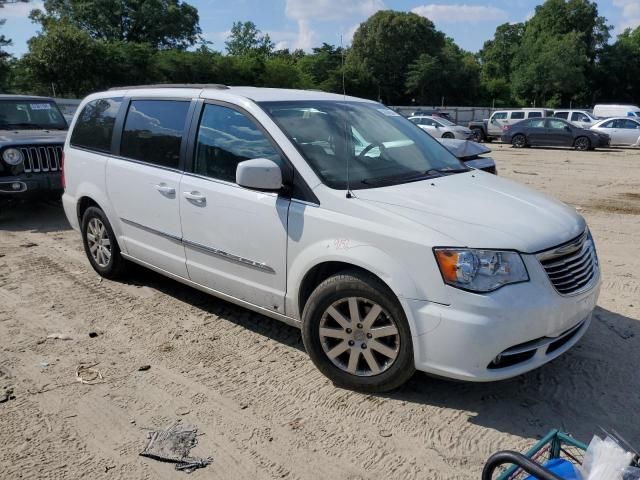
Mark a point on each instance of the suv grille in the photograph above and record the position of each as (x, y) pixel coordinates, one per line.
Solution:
(571, 266)
(42, 158)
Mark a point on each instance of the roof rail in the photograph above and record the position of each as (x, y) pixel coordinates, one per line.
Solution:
(216, 86)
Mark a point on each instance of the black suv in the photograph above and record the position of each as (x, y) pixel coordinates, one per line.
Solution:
(32, 134)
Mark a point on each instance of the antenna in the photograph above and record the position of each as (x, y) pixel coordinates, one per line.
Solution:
(344, 97)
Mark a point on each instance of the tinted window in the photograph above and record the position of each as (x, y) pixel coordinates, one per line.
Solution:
(629, 124)
(557, 124)
(227, 137)
(500, 116)
(153, 131)
(564, 115)
(536, 123)
(579, 117)
(517, 115)
(534, 115)
(94, 126)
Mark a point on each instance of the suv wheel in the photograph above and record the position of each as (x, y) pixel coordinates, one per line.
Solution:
(478, 136)
(100, 244)
(356, 333)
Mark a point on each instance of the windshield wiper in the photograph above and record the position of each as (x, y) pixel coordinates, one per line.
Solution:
(403, 177)
(448, 170)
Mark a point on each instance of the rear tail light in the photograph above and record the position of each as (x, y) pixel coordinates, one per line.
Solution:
(62, 180)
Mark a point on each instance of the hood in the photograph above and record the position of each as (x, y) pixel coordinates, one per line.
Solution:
(480, 210)
(464, 148)
(30, 137)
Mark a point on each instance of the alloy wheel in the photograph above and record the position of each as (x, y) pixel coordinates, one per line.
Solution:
(359, 336)
(98, 242)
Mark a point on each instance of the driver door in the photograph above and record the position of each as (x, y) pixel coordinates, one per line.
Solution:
(235, 238)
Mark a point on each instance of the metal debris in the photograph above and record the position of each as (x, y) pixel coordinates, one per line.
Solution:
(173, 445)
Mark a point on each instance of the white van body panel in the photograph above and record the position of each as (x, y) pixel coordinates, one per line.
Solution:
(610, 110)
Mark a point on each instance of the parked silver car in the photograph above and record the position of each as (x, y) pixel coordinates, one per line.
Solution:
(439, 127)
(622, 130)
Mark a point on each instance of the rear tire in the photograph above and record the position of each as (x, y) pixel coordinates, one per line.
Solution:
(519, 141)
(478, 135)
(448, 135)
(582, 144)
(356, 333)
(100, 244)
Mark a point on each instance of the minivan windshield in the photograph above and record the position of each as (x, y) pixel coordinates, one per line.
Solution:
(30, 114)
(365, 143)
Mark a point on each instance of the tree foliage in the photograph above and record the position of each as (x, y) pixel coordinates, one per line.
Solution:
(160, 23)
(561, 55)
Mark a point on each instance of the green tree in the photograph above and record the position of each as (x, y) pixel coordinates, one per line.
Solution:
(496, 58)
(160, 23)
(63, 57)
(246, 39)
(324, 67)
(558, 56)
(619, 70)
(387, 43)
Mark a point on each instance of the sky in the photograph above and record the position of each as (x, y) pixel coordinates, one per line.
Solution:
(307, 23)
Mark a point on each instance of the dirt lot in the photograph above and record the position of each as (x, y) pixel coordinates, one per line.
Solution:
(262, 408)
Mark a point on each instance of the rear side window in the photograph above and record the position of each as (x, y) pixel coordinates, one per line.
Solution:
(94, 127)
(534, 115)
(227, 137)
(564, 115)
(517, 115)
(153, 131)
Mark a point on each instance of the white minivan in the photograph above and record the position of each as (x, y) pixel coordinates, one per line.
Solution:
(336, 215)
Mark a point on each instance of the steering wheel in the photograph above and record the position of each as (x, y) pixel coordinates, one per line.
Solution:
(370, 147)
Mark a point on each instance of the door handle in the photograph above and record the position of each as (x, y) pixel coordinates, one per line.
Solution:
(165, 189)
(195, 197)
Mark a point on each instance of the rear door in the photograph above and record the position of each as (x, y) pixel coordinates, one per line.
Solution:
(235, 238)
(536, 132)
(626, 131)
(143, 180)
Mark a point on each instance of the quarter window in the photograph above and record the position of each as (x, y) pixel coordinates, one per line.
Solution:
(227, 137)
(153, 131)
(94, 127)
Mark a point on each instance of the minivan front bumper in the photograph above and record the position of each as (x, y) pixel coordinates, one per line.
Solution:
(502, 334)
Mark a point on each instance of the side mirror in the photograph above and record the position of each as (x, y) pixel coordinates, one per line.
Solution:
(259, 174)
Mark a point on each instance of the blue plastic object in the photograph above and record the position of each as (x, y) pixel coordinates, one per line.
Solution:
(562, 468)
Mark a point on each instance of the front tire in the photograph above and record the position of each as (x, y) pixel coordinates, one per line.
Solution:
(519, 141)
(448, 135)
(357, 334)
(582, 144)
(100, 244)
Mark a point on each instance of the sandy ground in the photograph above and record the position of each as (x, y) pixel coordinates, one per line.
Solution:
(261, 407)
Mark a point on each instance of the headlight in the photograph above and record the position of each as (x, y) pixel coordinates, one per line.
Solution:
(480, 270)
(12, 156)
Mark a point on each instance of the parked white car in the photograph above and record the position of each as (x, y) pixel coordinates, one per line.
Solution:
(608, 111)
(622, 130)
(391, 257)
(440, 127)
(580, 118)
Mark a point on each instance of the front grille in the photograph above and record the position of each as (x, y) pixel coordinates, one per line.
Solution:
(572, 266)
(42, 158)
